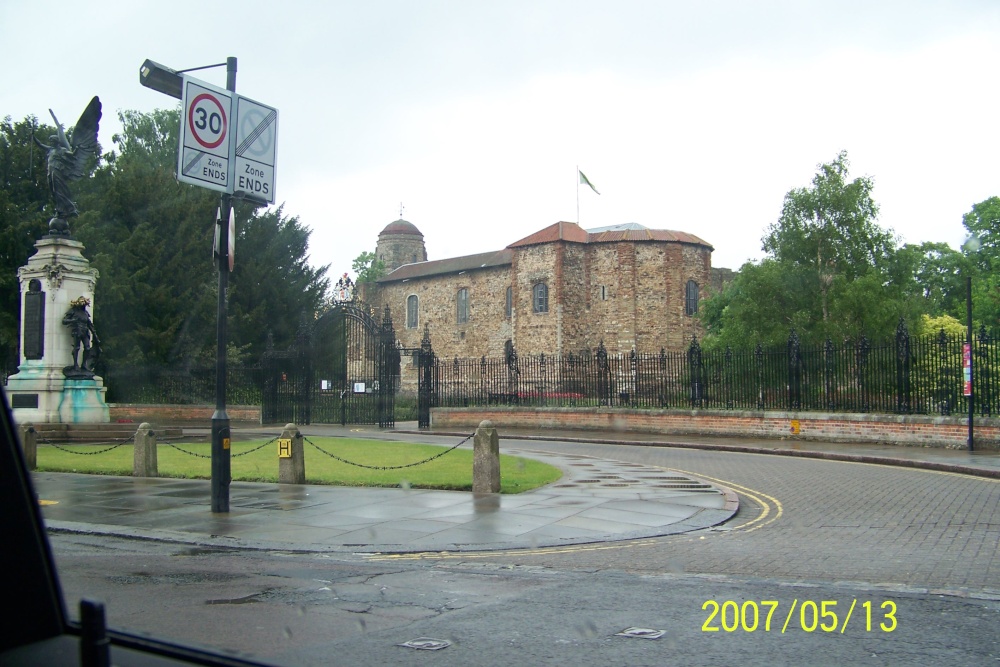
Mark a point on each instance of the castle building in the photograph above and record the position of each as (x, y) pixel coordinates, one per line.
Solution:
(562, 289)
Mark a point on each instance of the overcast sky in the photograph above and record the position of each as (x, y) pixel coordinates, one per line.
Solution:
(691, 116)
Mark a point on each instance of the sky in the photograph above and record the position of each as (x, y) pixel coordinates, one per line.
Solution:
(472, 117)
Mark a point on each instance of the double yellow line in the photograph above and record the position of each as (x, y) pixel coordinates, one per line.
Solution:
(769, 506)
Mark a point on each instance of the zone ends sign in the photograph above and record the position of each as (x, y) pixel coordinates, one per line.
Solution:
(206, 118)
(228, 142)
(256, 147)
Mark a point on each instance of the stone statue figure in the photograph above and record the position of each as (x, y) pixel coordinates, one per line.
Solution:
(67, 159)
(82, 329)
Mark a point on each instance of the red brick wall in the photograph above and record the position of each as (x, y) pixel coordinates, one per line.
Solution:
(169, 414)
(917, 430)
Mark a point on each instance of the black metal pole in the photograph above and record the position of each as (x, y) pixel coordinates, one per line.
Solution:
(972, 371)
(221, 463)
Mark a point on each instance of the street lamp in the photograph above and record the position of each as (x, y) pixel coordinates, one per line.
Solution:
(169, 82)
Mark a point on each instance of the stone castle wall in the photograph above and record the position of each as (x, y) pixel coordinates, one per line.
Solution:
(626, 295)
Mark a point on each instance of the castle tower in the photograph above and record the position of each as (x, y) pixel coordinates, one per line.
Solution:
(400, 243)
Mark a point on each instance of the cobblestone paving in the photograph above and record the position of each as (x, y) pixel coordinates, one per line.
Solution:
(826, 521)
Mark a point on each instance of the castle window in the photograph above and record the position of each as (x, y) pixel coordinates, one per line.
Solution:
(411, 311)
(462, 306)
(509, 306)
(540, 297)
(691, 298)
(604, 292)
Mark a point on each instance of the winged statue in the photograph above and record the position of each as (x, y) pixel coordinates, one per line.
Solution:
(67, 160)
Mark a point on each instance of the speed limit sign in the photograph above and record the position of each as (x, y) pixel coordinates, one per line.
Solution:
(203, 158)
(207, 120)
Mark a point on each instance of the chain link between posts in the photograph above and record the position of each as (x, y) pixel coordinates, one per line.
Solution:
(231, 455)
(46, 441)
(131, 438)
(408, 465)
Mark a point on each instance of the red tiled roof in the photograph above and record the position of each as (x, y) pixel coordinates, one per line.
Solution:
(573, 233)
(647, 235)
(561, 231)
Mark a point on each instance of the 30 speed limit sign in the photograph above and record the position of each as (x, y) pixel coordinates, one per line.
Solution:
(207, 120)
(205, 142)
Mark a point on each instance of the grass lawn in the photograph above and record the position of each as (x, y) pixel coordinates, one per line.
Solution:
(451, 471)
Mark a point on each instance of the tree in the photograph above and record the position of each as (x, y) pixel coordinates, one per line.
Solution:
(830, 271)
(25, 208)
(272, 287)
(150, 238)
(982, 254)
(938, 271)
(830, 228)
(367, 268)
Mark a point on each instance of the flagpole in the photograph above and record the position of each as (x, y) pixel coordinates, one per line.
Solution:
(578, 194)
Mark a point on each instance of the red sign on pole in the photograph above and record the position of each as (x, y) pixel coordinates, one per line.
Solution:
(967, 368)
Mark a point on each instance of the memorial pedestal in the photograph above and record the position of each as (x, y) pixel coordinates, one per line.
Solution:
(55, 276)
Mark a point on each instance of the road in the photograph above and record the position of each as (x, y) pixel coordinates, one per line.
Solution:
(819, 552)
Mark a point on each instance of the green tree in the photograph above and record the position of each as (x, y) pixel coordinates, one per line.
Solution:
(938, 271)
(982, 253)
(367, 268)
(830, 228)
(151, 239)
(272, 287)
(25, 207)
(830, 271)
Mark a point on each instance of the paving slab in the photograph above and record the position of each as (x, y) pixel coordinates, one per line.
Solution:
(593, 502)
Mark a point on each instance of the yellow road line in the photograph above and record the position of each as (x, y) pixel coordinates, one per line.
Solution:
(757, 496)
(754, 495)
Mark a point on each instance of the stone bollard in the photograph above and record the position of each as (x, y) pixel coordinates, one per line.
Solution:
(291, 457)
(29, 445)
(144, 453)
(486, 459)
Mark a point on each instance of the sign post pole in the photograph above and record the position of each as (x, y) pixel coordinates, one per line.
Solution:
(221, 436)
(967, 360)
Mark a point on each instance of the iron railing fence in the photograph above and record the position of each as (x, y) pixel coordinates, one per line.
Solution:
(903, 375)
(170, 386)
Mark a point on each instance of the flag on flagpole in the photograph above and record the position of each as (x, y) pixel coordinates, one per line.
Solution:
(584, 179)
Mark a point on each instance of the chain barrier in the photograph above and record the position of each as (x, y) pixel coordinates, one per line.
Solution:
(231, 455)
(125, 441)
(408, 465)
(46, 441)
(184, 451)
(251, 451)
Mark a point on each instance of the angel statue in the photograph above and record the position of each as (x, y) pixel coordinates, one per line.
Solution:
(67, 159)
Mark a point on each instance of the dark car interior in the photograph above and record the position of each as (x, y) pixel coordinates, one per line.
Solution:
(36, 629)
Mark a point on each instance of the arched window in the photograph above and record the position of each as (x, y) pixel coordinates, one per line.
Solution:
(691, 298)
(412, 304)
(540, 298)
(462, 306)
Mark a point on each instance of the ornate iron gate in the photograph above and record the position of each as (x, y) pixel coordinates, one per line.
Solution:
(343, 368)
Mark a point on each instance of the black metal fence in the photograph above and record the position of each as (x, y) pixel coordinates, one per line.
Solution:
(193, 386)
(905, 375)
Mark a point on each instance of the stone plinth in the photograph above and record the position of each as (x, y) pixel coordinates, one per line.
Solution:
(39, 392)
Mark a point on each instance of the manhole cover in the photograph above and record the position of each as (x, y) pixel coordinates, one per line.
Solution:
(640, 633)
(426, 644)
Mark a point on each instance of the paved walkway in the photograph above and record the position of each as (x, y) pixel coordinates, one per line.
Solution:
(597, 499)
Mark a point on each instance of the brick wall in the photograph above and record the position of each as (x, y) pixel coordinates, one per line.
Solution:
(916, 430)
(170, 414)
